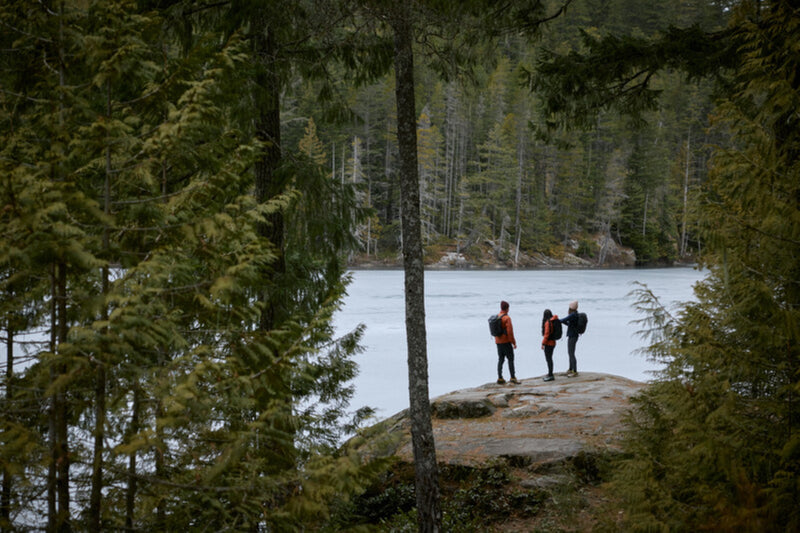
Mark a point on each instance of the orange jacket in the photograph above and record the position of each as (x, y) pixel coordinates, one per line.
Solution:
(508, 336)
(548, 327)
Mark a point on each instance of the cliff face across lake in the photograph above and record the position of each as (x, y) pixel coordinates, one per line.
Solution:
(533, 422)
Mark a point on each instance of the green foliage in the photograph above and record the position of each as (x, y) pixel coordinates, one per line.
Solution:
(474, 499)
(713, 441)
(132, 234)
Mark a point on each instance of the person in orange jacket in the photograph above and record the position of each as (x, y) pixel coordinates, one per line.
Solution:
(548, 344)
(506, 344)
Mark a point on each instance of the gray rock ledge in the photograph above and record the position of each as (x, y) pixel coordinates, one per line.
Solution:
(533, 422)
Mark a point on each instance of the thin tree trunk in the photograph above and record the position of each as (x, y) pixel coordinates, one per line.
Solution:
(95, 498)
(449, 142)
(368, 175)
(59, 518)
(130, 493)
(62, 429)
(95, 502)
(52, 508)
(356, 175)
(644, 216)
(160, 465)
(387, 173)
(425, 466)
(518, 202)
(685, 197)
(5, 504)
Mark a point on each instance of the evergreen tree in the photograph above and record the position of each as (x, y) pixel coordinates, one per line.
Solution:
(128, 204)
(714, 441)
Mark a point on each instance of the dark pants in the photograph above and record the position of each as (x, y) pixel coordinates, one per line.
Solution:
(573, 363)
(505, 351)
(548, 355)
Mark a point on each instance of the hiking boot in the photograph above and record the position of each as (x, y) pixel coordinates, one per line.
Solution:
(500, 381)
(514, 380)
(548, 378)
(571, 373)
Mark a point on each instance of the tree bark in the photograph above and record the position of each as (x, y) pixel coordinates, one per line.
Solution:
(518, 199)
(51, 413)
(130, 493)
(61, 452)
(160, 451)
(425, 467)
(95, 498)
(268, 132)
(5, 504)
(684, 216)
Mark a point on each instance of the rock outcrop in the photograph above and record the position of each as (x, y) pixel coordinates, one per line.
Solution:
(530, 423)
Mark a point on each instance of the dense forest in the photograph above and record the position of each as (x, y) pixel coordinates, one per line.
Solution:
(184, 185)
(493, 181)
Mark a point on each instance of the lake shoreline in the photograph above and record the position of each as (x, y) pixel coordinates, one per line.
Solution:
(484, 268)
(604, 254)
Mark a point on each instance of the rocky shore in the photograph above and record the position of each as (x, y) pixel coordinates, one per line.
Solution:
(531, 423)
(513, 458)
(606, 253)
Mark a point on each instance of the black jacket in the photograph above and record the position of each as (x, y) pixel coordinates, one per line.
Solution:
(571, 320)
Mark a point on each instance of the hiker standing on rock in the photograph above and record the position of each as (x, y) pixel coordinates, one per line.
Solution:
(571, 321)
(550, 323)
(506, 344)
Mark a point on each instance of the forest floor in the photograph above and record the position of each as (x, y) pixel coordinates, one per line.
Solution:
(577, 508)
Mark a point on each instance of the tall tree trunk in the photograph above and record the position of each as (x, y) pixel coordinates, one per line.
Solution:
(61, 410)
(425, 467)
(268, 132)
(684, 216)
(95, 498)
(268, 185)
(58, 475)
(343, 159)
(368, 175)
(5, 502)
(130, 493)
(644, 215)
(387, 172)
(518, 200)
(51, 414)
(160, 450)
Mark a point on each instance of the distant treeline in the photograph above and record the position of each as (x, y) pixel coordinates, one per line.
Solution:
(492, 177)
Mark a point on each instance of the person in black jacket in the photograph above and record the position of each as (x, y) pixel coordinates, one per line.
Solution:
(571, 321)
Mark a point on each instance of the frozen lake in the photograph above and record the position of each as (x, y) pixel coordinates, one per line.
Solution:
(461, 353)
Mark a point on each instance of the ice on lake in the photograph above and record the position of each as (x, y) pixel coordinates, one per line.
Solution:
(461, 353)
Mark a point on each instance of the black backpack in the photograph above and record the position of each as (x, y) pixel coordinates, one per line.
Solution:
(496, 326)
(582, 321)
(555, 329)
